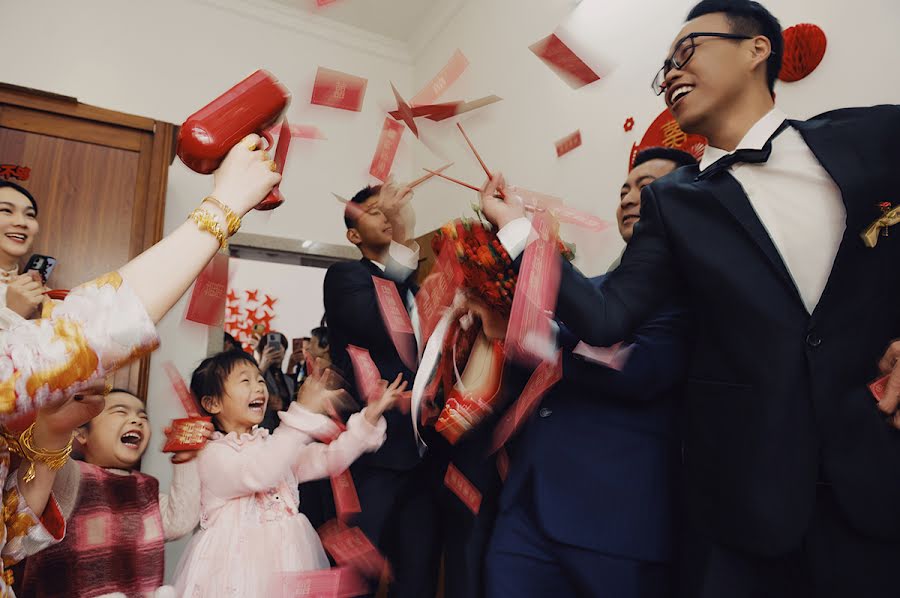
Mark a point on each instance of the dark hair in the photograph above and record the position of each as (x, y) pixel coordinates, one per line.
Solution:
(208, 380)
(264, 340)
(677, 156)
(321, 334)
(227, 340)
(23, 191)
(749, 18)
(361, 197)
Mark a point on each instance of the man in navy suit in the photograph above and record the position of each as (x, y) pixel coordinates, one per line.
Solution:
(587, 508)
(792, 474)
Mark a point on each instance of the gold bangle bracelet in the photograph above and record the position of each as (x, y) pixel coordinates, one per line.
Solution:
(208, 223)
(54, 460)
(232, 219)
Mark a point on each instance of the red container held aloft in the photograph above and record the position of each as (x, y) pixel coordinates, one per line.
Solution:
(252, 106)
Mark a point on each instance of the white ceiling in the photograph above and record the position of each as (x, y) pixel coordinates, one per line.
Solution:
(396, 19)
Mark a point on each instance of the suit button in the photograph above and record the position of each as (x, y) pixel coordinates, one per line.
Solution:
(813, 340)
(544, 412)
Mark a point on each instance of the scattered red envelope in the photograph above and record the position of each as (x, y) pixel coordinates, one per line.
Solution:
(346, 500)
(388, 143)
(463, 488)
(298, 131)
(188, 401)
(437, 291)
(542, 379)
(338, 90)
(207, 304)
(470, 106)
(186, 435)
(564, 62)
(878, 387)
(365, 372)
(306, 584)
(351, 548)
(568, 143)
(579, 218)
(321, 3)
(444, 79)
(396, 320)
(529, 336)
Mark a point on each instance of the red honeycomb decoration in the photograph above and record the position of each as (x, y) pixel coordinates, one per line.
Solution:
(804, 47)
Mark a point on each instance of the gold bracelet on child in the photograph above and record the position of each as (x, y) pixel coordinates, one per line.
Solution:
(232, 219)
(205, 221)
(54, 460)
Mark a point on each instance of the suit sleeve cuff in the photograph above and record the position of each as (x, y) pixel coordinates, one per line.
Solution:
(514, 236)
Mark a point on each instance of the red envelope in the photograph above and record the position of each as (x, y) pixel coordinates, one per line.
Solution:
(579, 218)
(542, 379)
(405, 111)
(396, 320)
(437, 292)
(186, 435)
(188, 401)
(568, 143)
(365, 372)
(338, 90)
(463, 488)
(564, 62)
(346, 500)
(388, 143)
(306, 584)
(529, 336)
(207, 304)
(444, 79)
(878, 387)
(351, 548)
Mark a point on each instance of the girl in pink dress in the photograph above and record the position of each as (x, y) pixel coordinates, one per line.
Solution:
(251, 530)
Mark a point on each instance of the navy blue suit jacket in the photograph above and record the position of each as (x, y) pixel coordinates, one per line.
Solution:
(603, 450)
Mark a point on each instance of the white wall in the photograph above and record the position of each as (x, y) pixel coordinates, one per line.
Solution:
(167, 58)
(296, 289)
(517, 135)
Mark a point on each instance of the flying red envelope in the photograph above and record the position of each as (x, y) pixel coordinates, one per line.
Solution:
(207, 304)
(568, 143)
(338, 90)
(388, 143)
(564, 62)
(444, 79)
(463, 488)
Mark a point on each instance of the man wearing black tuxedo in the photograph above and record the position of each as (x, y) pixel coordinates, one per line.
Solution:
(397, 508)
(792, 472)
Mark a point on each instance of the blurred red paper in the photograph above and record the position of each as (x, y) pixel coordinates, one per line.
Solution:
(351, 548)
(579, 218)
(306, 584)
(338, 90)
(529, 337)
(188, 401)
(437, 291)
(444, 79)
(298, 131)
(346, 500)
(568, 143)
(878, 387)
(207, 305)
(396, 320)
(542, 379)
(388, 143)
(463, 488)
(365, 372)
(564, 62)
(405, 111)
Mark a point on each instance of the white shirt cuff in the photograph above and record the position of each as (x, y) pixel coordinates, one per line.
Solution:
(514, 236)
(402, 261)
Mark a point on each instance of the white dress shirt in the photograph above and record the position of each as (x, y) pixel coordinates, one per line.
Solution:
(401, 263)
(796, 200)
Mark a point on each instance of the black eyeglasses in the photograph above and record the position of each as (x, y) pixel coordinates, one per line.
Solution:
(684, 51)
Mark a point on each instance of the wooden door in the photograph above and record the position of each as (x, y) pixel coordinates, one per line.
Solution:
(99, 178)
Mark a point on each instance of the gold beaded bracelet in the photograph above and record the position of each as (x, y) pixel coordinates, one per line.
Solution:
(233, 220)
(205, 221)
(54, 460)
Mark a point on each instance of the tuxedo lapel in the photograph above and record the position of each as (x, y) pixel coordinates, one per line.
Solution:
(730, 194)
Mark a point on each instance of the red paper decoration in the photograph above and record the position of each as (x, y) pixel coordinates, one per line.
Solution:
(14, 171)
(665, 132)
(629, 124)
(804, 47)
(241, 316)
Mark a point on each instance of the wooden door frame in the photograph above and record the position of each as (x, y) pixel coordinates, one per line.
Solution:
(153, 139)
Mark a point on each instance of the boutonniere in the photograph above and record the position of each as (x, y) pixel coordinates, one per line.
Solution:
(889, 217)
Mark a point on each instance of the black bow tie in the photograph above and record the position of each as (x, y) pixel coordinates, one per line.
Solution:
(748, 156)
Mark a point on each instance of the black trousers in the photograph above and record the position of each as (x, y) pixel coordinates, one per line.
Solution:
(834, 561)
